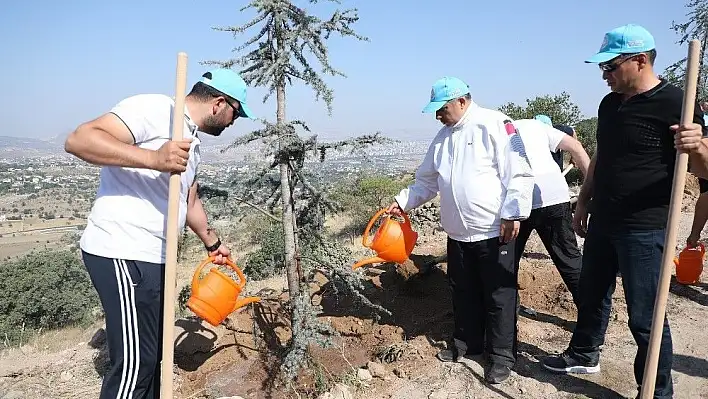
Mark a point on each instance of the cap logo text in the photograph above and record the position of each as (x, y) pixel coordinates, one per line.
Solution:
(605, 41)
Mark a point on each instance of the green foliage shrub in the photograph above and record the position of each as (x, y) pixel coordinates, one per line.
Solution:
(364, 195)
(44, 290)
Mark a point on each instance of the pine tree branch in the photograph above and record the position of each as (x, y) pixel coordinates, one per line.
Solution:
(356, 143)
(256, 207)
(317, 194)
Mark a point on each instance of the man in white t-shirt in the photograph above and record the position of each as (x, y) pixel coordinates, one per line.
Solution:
(123, 245)
(551, 214)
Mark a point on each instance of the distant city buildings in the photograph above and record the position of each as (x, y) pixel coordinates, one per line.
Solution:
(33, 173)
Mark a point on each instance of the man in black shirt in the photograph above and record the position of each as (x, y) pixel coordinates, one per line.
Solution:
(629, 180)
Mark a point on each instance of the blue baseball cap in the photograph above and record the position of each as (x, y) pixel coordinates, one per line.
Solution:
(626, 39)
(543, 118)
(444, 90)
(231, 84)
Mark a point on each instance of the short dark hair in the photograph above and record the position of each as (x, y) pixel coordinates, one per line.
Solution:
(564, 128)
(203, 92)
(651, 55)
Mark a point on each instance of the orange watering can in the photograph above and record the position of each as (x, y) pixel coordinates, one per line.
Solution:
(393, 241)
(689, 264)
(216, 295)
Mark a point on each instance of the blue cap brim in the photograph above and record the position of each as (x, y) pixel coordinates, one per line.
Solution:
(244, 111)
(433, 106)
(601, 57)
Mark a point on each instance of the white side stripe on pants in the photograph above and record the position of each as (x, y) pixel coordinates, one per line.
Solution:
(131, 338)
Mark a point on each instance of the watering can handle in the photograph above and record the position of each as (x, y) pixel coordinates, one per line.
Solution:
(699, 245)
(241, 277)
(195, 277)
(369, 226)
(229, 263)
(376, 217)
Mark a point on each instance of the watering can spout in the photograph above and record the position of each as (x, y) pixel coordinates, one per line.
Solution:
(368, 261)
(245, 301)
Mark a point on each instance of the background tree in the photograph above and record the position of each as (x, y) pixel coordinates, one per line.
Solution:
(560, 108)
(586, 131)
(695, 27)
(287, 39)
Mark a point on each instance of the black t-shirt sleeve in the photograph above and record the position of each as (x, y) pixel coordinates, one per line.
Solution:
(703, 184)
(699, 119)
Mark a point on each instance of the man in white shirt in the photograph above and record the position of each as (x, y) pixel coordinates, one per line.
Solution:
(123, 245)
(551, 214)
(478, 165)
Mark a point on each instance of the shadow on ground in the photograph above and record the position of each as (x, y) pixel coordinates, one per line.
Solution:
(195, 344)
(690, 365)
(542, 317)
(420, 302)
(532, 368)
(694, 292)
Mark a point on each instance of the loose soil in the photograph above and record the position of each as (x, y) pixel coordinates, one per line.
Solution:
(232, 360)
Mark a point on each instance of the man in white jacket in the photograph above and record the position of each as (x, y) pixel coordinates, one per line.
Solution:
(477, 162)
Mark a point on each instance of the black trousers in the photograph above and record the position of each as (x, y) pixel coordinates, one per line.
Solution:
(131, 295)
(483, 280)
(554, 225)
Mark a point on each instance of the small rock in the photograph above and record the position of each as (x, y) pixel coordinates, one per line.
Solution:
(400, 373)
(326, 395)
(316, 299)
(66, 376)
(377, 370)
(341, 391)
(364, 375)
(320, 279)
(98, 339)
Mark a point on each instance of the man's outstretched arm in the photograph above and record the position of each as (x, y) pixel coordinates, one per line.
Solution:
(107, 141)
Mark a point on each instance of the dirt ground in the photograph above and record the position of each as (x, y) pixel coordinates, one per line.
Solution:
(393, 357)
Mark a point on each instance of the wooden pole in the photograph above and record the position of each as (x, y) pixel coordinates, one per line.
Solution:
(172, 236)
(667, 261)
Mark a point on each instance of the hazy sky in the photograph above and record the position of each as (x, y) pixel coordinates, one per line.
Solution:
(67, 62)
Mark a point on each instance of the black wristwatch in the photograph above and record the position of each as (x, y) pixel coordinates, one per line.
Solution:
(213, 247)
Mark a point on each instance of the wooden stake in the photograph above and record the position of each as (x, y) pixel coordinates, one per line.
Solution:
(172, 236)
(667, 261)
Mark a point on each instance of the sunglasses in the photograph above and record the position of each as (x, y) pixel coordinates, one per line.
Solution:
(234, 109)
(611, 66)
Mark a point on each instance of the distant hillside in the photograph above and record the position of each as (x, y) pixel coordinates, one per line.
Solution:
(21, 147)
(25, 144)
